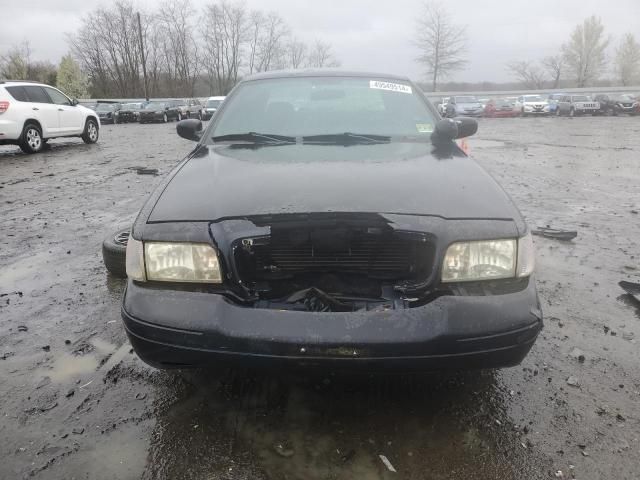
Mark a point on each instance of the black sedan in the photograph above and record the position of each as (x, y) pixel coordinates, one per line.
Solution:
(108, 112)
(329, 219)
(159, 112)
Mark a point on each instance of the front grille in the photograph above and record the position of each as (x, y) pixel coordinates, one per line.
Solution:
(365, 256)
(386, 256)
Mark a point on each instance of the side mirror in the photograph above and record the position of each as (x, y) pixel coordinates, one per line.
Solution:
(450, 129)
(74, 102)
(191, 129)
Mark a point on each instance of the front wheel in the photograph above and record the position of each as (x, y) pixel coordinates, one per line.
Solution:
(91, 132)
(31, 139)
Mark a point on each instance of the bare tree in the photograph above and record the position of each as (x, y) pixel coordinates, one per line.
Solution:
(223, 42)
(584, 53)
(109, 51)
(321, 56)
(527, 73)
(296, 53)
(177, 19)
(627, 60)
(554, 65)
(17, 64)
(266, 36)
(14, 65)
(442, 44)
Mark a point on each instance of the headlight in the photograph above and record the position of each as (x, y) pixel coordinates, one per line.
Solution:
(488, 260)
(181, 262)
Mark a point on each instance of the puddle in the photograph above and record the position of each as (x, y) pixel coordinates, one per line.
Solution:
(69, 367)
(120, 454)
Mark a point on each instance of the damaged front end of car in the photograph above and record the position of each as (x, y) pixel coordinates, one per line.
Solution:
(325, 262)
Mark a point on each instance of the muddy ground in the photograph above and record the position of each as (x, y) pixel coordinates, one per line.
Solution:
(77, 403)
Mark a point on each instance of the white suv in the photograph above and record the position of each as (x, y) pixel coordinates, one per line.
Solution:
(31, 113)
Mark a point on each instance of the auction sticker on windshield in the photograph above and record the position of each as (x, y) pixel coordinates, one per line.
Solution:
(394, 87)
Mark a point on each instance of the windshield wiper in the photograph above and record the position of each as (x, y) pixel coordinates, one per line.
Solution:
(256, 138)
(346, 138)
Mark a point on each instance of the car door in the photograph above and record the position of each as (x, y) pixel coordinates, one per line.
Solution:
(71, 118)
(43, 110)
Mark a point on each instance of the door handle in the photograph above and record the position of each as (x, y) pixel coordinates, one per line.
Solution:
(35, 108)
(61, 109)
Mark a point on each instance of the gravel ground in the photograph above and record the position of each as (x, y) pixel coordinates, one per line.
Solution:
(77, 403)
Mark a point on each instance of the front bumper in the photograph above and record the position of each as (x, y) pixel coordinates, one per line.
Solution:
(536, 111)
(175, 329)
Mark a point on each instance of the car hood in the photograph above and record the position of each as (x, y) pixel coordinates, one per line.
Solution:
(404, 178)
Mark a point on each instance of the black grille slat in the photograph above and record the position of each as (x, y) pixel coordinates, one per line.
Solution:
(381, 255)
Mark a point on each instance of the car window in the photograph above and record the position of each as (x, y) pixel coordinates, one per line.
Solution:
(325, 105)
(57, 97)
(18, 93)
(37, 94)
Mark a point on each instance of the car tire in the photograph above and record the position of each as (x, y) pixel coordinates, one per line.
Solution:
(114, 251)
(31, 138)
(91, 131)
(165, 119)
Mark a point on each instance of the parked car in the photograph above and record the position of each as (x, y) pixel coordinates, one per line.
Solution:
(158, 111)
(577, 105)
(531, 105)
(32, 113)
(553, 100)
(483, 101)
(211, 106)
(616, 104)
(467, 106)
(108, 112)
(193, 108)
(273, 244)
(499, 108)
(130, 112)
(183, 108)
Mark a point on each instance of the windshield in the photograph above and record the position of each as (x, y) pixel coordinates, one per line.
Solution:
(466, 100)
(325, 105)
(580, 98)
(104, 107)
(155, 106)
(131, 106)
(213, 103)
(623, 98)
(533, 98)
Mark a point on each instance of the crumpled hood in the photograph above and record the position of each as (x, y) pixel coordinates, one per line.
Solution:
(404, 178)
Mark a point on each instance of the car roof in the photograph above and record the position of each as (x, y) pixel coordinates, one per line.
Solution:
(23, 82)
(321, 72)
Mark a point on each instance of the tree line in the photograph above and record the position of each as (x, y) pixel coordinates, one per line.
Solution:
(187, 52)
(581, 61)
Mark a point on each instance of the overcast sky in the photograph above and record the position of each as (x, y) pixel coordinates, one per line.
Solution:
(369, 34)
